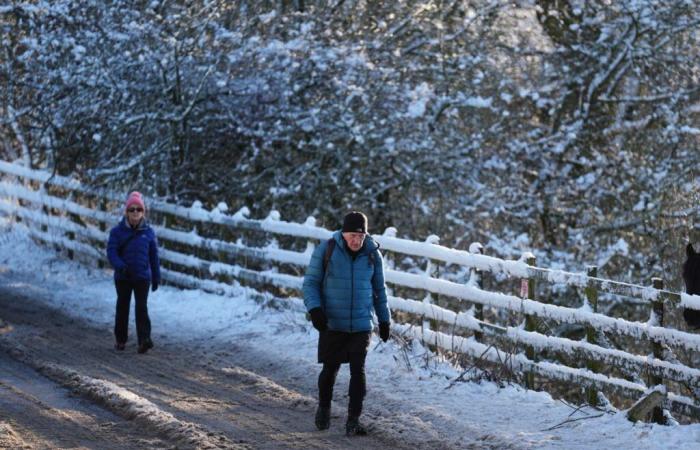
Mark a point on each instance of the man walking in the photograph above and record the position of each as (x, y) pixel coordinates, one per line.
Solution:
(343, 283)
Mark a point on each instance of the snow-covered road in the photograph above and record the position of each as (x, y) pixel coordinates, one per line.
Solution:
(191, 394)
(37, 413)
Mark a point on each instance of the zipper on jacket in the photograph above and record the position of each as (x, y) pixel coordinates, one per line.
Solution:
(352, 288)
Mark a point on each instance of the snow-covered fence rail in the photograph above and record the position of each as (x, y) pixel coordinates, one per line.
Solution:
(192, 262)
(436, 252)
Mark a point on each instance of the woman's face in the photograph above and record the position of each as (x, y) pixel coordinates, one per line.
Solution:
(134, 214)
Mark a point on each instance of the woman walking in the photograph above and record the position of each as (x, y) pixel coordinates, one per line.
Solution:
(133, 252)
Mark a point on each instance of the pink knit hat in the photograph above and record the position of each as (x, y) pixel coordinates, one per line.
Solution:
(135, 198)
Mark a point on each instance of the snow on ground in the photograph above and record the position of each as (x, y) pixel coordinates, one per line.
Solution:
(419, 394)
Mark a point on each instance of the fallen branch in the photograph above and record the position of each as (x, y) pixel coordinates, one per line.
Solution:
(572, 420)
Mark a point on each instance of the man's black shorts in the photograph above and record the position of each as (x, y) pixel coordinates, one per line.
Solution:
(335, 346)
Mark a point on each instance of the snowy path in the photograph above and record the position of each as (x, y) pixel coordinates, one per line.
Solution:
(230, 406)
(37, 413)
(228, 367)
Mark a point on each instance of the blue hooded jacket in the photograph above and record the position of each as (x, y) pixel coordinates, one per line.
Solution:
(349, 289)
(139, 255)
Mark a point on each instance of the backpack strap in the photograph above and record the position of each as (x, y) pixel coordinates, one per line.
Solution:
(326, 258)
(327, 255)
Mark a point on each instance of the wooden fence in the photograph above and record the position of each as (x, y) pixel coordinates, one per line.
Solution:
(205, 248)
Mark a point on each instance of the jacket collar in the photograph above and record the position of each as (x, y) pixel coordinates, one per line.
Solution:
(141, 226)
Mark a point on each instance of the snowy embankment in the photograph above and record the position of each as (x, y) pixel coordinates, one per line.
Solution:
(408, 383)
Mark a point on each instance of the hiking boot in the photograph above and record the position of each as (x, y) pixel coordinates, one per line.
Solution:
(145, 346)
(120, 346)
(323, 417)
(353, 427)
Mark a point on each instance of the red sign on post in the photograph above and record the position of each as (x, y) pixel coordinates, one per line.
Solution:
(524, 288)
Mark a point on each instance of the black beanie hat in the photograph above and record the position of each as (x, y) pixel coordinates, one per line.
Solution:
(355, 222)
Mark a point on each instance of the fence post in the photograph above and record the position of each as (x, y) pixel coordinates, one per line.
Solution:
(310, 244)
(590, 301)
(657, 319)
(167, 222)
(431, 268)
(71, 235)
(389, 258)
(44, 209)
(310, 247)
(198, 207)
(389, 262)
(221, 208)
(102, 206)
(475, 279)
(530, 321)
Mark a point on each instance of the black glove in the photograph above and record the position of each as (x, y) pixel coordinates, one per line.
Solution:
(384, 330)
(318, 319)
(154, 286)
(125, 272)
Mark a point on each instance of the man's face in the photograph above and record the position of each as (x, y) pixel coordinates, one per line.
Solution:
(354, 240)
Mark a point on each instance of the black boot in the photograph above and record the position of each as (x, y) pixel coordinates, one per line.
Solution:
(145, 346)
(323, 417)
(353, 427)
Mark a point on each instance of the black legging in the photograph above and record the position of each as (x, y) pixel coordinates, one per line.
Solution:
(358, 383)
(121, 320)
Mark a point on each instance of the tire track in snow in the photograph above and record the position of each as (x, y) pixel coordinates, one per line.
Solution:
(124, 402)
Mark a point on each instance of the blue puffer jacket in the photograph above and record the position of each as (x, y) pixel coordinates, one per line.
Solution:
(139, 255)
(346, 291)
